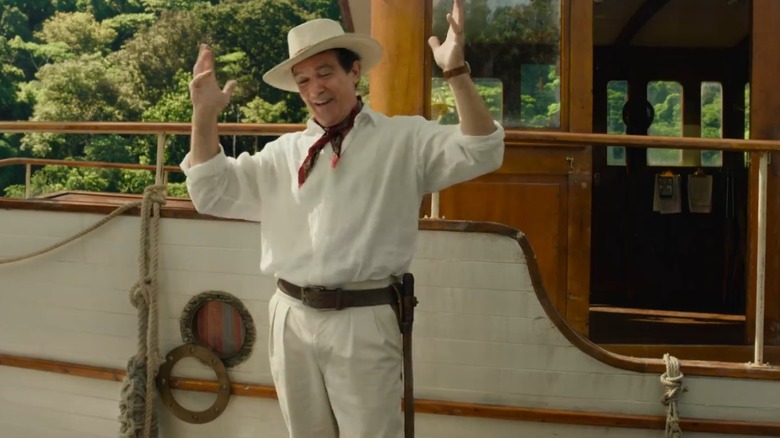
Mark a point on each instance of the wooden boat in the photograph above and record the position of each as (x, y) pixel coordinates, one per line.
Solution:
(521, 330)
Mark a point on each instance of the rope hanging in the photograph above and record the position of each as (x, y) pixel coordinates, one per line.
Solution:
(119, 211)
(672, 381)
(137, 414)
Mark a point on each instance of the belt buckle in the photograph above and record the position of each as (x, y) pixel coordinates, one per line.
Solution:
(306, 292)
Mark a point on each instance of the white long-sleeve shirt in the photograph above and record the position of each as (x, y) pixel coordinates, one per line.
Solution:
(355, 222)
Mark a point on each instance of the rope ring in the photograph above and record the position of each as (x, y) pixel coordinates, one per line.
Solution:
(209, 359)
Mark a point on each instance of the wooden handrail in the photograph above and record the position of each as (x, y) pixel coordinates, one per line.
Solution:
(541, 138)
(141, 128)
(569, 139)
(94, 164)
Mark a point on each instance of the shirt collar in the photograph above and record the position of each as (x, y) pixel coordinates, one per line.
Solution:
(366, 115)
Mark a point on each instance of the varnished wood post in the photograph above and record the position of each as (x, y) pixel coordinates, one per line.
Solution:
(765, 124)
(578, 62)
(399, 83)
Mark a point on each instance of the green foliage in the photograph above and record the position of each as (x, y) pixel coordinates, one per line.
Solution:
(38, 54)
(10, 77)
(79, 32)
(36, 11)
(156, 54)
(666, 98)
(127, 25)
(540, 96)
(135, 181)
(102, 9)
(13, 22)
(519, 45)
(52, 179)
(178, 190)
(158, 6)
(444, 102)
(173, 106)
(8, 175)
(617, 95)
(320, 8)
(258, 29)
(14, 191)
(90, 89)
(711, 110)
(260, 111)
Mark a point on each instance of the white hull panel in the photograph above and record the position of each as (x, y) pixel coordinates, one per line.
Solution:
(481, 335)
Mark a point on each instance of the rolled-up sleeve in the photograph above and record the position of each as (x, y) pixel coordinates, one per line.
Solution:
(229, 187)
(447, 157)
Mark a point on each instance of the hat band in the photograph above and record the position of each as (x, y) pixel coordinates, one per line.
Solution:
(299, 51)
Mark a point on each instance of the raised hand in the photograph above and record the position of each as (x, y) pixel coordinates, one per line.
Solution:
(450, 55)
(207, 98)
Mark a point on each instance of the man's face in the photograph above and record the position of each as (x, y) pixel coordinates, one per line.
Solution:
(327, 90)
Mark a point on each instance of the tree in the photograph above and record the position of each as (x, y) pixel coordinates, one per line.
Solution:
(156, 54)
(257, 30)
(10, 76)
(158, 6)
(79, 32)
(36, 11)
(518, 45)
(13, 22)
(320, 8)
(102, 9)
(711, 110)
(89, 88)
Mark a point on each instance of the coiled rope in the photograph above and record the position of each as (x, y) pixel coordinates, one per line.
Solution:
(672, 381)
(137, 415)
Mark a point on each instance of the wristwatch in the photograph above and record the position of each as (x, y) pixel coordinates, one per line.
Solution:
(465, 68)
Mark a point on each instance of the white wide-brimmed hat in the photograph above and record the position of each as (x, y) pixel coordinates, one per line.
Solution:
(316, 36)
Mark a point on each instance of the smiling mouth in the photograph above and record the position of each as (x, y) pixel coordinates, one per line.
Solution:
(320, 104)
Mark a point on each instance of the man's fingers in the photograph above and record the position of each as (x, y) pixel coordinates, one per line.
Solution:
(457, 10)
(199, 78)
(454, 25)
(229, 87)
(205, 59)
(434, 42)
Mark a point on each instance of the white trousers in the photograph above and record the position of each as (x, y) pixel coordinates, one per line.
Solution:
(337, 372)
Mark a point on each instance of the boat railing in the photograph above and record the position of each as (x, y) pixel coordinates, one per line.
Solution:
(759, 150)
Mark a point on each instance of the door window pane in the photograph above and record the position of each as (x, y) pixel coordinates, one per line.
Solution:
(666, 99)
(617, 96)
(513, 48)
(711, 121)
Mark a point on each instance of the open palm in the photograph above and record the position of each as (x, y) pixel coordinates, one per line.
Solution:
(205, 93)
(449, 55)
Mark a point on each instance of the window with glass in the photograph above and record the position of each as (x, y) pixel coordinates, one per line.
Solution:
(513, 48)
(666, 97)
(617, 96)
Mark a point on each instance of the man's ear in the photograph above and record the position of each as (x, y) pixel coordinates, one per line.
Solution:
(356, 68)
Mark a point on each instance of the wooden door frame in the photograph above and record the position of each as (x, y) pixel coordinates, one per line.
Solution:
(764, 125)
(577, 99)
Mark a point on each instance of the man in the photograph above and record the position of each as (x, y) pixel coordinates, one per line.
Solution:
(339, 207)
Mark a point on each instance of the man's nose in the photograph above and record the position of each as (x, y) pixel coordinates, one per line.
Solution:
(317, 87)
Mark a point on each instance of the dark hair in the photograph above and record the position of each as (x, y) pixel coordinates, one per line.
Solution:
(346, 58)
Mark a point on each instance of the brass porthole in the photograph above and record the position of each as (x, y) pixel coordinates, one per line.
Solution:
(220, 322)
(208, 358)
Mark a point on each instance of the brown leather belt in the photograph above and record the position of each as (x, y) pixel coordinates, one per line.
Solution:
(319, 297)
